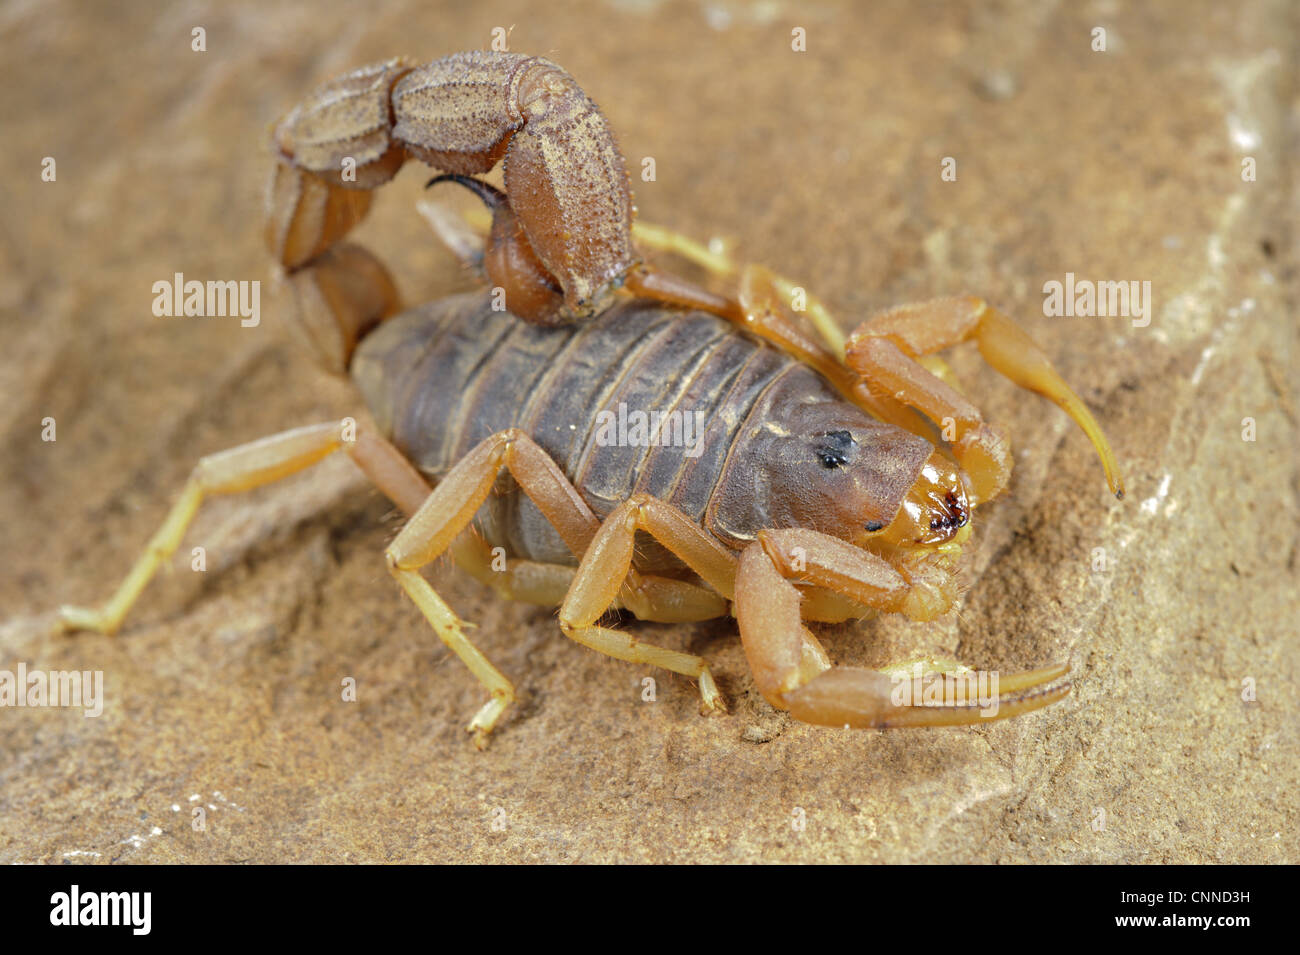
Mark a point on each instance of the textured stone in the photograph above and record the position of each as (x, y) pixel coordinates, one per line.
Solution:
(224, 688)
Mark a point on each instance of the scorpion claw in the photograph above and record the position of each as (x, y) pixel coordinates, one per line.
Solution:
(869, 699)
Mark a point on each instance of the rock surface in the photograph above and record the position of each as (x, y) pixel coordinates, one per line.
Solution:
(223, 690)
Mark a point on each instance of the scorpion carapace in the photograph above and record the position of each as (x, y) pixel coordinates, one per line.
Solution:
(799, 481)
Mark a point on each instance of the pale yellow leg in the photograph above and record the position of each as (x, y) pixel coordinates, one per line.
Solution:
(624, 646)
(719, 263)
(447, 626)
(241, 469)
(448, 511)
(607, 564)
(654, 598)
(524, 580)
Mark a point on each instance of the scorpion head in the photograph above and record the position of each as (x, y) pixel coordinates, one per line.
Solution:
(936, 509)
(815, 461)
(856, 466)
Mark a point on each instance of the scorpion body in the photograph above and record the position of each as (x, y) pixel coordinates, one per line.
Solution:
(445, 377)
(829, 481)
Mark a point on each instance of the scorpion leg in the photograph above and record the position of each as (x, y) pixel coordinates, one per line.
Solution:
(606, 569)
(760, 310)
(449, 510)
(718, 262)
(525, 580)
(763, 312)
(885, 350)
(653, 598)
(241, 469)
(792, 675)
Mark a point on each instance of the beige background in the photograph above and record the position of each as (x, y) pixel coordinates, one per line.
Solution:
(223, 689)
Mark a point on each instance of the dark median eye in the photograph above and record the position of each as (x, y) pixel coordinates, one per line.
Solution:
(833, 449)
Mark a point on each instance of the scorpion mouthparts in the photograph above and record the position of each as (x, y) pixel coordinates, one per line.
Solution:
(956, 514)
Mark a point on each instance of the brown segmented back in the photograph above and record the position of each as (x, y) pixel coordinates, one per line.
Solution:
(443, 377)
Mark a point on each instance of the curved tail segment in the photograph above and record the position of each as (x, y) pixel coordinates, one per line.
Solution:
(569, 207)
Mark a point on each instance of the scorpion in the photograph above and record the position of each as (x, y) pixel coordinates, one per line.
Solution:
(821, 491)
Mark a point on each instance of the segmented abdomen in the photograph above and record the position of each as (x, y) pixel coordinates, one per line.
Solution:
(443, 377)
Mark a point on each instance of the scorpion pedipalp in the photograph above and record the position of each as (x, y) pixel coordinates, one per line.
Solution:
(792, 675)
(885, 348)
(869, 699)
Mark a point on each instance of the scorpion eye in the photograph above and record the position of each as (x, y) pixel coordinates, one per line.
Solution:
(833, 448)
(873, 526)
